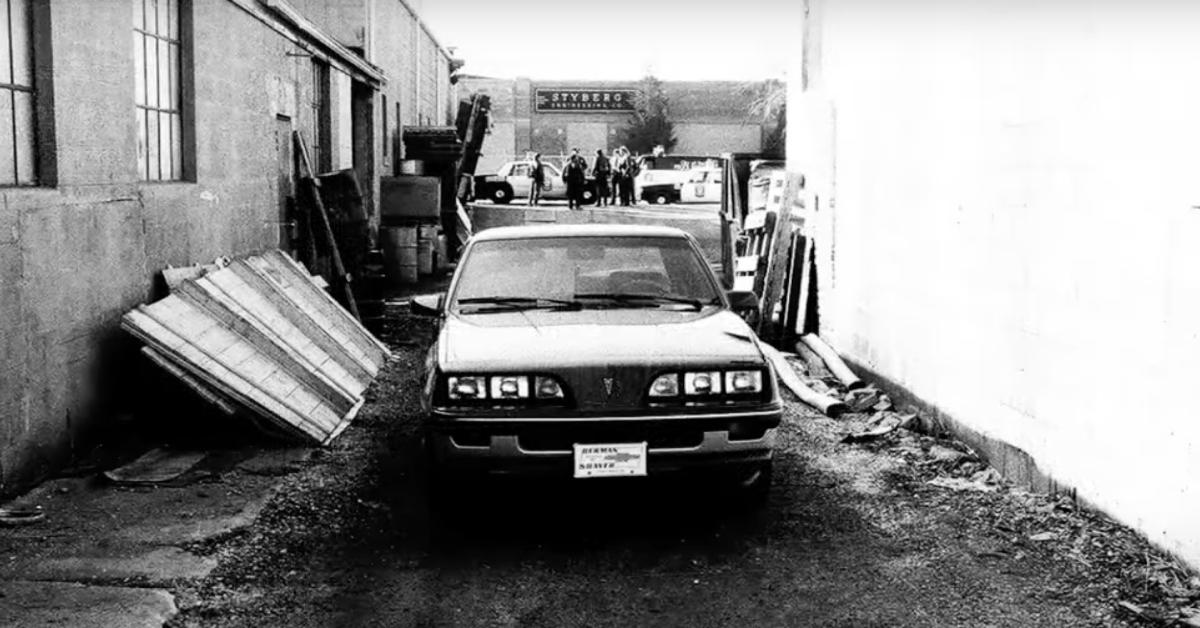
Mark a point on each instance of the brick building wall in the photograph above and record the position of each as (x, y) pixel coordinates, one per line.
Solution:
(711, 117)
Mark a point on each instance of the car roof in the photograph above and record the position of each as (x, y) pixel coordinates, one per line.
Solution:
(567, 231)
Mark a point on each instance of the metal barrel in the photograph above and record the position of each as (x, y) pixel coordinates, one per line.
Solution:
(400, 254)
(426, 244)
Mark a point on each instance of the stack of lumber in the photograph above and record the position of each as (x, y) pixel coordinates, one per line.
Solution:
(259, 337)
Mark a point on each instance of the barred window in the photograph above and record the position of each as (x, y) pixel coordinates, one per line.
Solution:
(156, 46)
(18, 128)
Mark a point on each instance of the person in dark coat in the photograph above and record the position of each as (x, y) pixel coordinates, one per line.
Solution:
(601, 169)
(615, 177)
(575, 176)
(538, 179)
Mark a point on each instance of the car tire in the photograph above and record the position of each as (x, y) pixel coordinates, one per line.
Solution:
(501, 196)
(661, 199)
(589, 196)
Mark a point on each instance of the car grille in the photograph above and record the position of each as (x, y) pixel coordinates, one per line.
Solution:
(563, 440)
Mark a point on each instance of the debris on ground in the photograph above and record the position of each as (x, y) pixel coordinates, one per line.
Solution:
(832, 361)
(260, 336)
(21, 515)
(154, 467)
(888, 424)
(814, 367)
(830, 406)
(862, 399)
(961, 484)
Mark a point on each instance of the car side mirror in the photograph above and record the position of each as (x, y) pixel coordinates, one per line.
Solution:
(741, 300)
(744, 303)
(427, 304)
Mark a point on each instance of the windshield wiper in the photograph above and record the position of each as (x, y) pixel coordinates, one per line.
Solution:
(629, 298)
(520, 303)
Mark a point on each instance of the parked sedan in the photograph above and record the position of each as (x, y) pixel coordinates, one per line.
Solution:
(512, 180)
(593, 351)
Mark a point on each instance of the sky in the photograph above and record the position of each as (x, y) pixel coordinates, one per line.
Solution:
(617, 39)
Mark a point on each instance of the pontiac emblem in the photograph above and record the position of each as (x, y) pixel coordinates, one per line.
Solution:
(608, 385)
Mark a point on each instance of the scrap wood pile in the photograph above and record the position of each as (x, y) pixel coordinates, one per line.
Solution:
(258, 337)
(819, 377)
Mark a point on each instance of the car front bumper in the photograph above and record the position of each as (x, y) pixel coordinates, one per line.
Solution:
(544, 446)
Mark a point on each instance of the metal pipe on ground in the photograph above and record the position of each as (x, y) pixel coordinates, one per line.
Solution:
(830, 406)
(833, 361)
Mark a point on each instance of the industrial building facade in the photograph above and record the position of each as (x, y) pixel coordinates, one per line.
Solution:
(552, 117)
(169, 145)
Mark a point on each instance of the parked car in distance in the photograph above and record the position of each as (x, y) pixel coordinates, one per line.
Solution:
(703, 185)
(700, 185)
(661, 193)
(512, 181)
(592, 351)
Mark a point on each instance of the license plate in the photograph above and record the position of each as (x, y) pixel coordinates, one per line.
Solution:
(605, 461)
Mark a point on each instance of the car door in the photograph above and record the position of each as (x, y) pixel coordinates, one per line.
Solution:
(518, 179)
(695, 190)
(554, 188)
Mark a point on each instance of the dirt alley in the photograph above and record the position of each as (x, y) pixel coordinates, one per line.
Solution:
(852, 535)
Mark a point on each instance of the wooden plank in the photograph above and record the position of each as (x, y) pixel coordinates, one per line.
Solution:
(201, 389)
(793, 307)
(229, 287)
(315, 333)
(276, 264)
(754, 220)
(278, 267)
(189, 357)
(746, 264)
(309, 177)
(265, 342)
(242, 382)
(282, 259)
(780, 241)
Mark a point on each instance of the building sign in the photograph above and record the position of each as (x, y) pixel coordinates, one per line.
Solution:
(583, 100)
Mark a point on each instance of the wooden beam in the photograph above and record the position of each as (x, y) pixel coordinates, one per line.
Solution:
(779, 244)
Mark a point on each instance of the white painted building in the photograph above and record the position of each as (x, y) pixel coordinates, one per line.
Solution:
(1009, 227)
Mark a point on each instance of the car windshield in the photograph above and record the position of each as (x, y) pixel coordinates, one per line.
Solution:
(592, 271)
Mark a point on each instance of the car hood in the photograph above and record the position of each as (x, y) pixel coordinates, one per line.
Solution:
(541, 338)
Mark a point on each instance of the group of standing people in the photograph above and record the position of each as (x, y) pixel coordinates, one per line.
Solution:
(614, 178)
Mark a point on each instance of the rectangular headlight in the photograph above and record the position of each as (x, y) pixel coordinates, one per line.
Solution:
(665, 386)
(510, 387)
(743, 382)
(467, 387)
(703, 383)
(548, 388)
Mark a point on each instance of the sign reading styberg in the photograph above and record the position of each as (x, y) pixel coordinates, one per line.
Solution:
(569, 100)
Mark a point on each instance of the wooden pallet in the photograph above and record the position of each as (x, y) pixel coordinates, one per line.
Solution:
(259, 335)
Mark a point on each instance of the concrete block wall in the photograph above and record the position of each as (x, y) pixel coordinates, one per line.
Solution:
(76, 255)
(1008, 230)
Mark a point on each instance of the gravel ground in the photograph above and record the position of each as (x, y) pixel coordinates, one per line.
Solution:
(852, 535)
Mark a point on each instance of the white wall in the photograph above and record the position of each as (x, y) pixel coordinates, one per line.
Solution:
(1014, 233)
